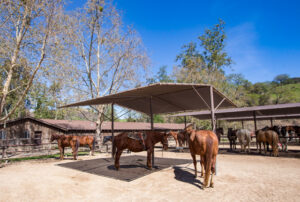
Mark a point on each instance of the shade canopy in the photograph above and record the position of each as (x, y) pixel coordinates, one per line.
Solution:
(266, 111)
(164, 97)
(273, 117)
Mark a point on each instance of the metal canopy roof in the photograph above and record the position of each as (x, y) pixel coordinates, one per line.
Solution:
(274, 117)
(247, 112)
(165, 98)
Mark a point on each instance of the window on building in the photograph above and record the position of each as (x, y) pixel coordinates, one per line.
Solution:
(26, 134)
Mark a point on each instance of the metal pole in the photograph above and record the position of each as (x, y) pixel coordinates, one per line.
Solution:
(212, 109)
(213, 119)
(151, 120)
(254, 118)
(112, 127)
(184, 122)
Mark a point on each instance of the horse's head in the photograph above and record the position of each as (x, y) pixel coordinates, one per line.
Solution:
(164, 140)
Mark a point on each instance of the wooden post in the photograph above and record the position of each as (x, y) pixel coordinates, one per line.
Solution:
(254, 118)
(112, 128)
(212, 109)
(151, 120)
(243, 124)
(271, 120)
(184, 122)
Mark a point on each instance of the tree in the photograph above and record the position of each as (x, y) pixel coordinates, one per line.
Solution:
(28, 29)
(205, 65)
(281, 78)
(107, 55)
(161, 76)
(214, 54)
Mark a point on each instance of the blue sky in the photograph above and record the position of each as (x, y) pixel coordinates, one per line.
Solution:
(263, 37)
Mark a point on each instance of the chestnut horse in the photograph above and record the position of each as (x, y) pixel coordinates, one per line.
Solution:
(179, 137)
(204, 143)
(122, 141)
(87, 140)
(268, 136)
(66, 141)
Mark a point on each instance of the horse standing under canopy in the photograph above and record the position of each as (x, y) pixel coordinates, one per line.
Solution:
(267, 136)
(244, 137)
(219, 133)
(124, 141)
(66, 141)
(231, 135)
(180, 139)
(205, 144)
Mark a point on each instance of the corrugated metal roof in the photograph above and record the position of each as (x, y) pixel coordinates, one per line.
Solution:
(266, 110)
(165, 98)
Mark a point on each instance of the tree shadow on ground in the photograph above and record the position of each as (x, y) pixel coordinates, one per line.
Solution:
(187, 177)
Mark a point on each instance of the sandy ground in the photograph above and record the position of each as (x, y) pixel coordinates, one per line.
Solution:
(240, 178)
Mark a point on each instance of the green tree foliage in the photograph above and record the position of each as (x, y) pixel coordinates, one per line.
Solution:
(213, 42)
(206, 63)
(281, 78)
(161, 76)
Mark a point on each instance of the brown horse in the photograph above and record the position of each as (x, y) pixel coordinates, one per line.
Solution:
(205, 144)
(87, 140)
(219, 132)
(268, 136)
(123, 141)
(179, 137)
(66, 141)
(175, 136)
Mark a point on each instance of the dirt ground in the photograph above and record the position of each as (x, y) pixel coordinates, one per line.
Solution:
(239, 178)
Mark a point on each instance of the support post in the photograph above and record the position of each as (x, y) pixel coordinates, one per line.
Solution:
(243, 124)
(213, 118)
(184, 122)
(271, 120)
(112, 128)
(254, 118)
(151, 120)
(212, 109)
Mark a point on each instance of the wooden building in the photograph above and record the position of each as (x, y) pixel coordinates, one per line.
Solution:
(29, 135)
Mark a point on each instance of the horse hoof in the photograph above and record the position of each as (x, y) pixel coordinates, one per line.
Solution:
(212, 185)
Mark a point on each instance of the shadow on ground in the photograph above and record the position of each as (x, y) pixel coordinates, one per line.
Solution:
(183, 175)
(131, 167)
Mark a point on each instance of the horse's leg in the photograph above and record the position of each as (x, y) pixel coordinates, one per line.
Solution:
(213, 171)
(202, 166)
(91, 150)
(117, 159)
(265, 148)
(61, 149)
(74, 150)
(208, 162)
(195, 163)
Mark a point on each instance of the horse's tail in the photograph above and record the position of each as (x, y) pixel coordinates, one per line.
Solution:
(114, 148)
(208, 167)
